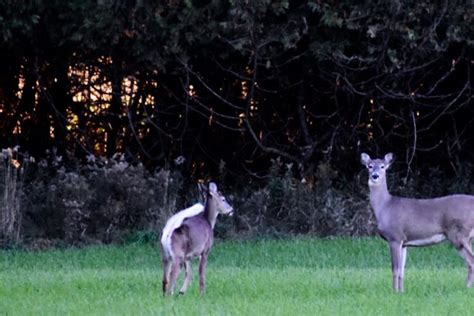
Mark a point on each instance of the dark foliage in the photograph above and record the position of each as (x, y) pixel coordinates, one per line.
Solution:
(238, 81)
(220, 89)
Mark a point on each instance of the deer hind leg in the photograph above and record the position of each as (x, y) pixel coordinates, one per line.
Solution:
(462, 244)
(470, 276)
(175, 269)
(202, 272)
(166, 274)
(396, 254)
(469, 258)
(188, 276)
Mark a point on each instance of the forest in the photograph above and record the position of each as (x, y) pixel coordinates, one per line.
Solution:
(111, 111)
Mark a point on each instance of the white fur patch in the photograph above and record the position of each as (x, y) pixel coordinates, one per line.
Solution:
(426, 241)
(174, 222)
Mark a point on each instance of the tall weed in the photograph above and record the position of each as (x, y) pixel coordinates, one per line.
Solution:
(12, 174)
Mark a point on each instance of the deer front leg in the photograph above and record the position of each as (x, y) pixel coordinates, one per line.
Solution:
(402, 268)
(188, 276)
(202, 273)
(396, 255)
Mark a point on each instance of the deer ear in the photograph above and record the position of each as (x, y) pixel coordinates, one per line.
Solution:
(364, 159)
(388, 158)
(212, 187)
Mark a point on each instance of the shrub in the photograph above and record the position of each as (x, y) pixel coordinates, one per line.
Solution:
(12, 171)
(111, 200)
(287, 205)
(100, 201)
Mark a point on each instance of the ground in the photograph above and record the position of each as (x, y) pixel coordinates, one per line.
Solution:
(305, 276)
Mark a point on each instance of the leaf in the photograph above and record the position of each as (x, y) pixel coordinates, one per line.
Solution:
(35, 18)
(314, 7)
(76, 37)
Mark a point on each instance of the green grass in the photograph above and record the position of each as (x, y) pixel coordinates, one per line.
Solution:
(286, 277)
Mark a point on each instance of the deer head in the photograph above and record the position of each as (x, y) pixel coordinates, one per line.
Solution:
(217, 200)
(376, 167)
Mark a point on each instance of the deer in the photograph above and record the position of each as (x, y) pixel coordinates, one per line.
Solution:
(408, 222)
(189, 234)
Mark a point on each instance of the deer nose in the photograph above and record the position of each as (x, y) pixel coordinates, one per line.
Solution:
(375, 176)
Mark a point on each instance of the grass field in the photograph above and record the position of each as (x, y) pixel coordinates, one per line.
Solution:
(285, 277)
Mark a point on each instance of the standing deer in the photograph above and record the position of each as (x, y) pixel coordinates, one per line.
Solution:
(189, 234)
(405, 222)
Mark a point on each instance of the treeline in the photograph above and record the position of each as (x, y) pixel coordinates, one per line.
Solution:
(234, 84)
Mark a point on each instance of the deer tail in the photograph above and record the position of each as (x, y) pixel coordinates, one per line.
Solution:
(175, 222)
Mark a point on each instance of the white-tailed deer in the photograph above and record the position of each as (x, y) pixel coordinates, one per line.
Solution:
(189, 234)
(405, 222)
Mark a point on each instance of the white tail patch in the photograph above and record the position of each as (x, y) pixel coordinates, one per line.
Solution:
(174, 222)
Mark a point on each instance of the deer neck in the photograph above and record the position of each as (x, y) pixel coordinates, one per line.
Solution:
(210, 212)
(379, 195)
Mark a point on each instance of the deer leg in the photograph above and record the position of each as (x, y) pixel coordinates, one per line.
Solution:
(466, 253)
(166, 275)
(188, 275)
(175, 269)
(470, 276)
(396, 254)
(463, 246)
(403, 260)
(202, 273)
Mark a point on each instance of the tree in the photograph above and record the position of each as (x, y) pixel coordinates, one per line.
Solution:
(238, 82)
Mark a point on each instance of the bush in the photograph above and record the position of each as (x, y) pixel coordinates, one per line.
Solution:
(286, 205)
(101, 201)
(111, 200)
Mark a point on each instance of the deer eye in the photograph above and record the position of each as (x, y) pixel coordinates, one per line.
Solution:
(371, 166)
(382, 167)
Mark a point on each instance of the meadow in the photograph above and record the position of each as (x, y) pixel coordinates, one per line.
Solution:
(305, 276)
